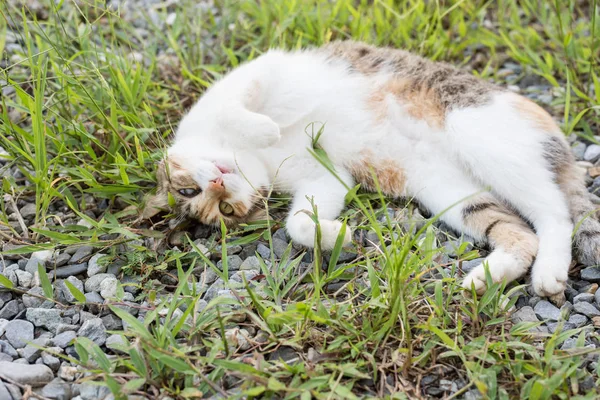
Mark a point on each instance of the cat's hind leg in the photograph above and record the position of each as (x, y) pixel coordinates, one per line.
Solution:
(443, 187)
(513, 146)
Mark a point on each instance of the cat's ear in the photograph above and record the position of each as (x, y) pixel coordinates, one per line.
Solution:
(155, 203)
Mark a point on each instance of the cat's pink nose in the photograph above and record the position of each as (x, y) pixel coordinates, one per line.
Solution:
(217, 183)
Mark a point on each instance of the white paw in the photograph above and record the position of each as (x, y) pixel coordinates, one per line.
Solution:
(549, 277)
(267, 138)
(503, 266)
(330, 231)
(475, 278)
(302, 231)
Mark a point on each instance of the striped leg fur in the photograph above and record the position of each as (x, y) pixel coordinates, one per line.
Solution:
(514, 243)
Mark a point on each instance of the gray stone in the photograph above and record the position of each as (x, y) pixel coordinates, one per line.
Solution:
(570, 343)
(249, 275)
(250, 263)
(44, 318)
(233, 263)
(90, 391)
(35, 375)
(112, 323)
(201, 247)
(263, 251)
(587, 297)
(4, 393)
(525, 314)
(279, 247)
(578, 150)
(113, 342)
(473, 394)
(281, 234)
(32, 299)
(64, 339)
(19, 332)
(38, 257)
(108, 288)
(586, 309)
(592, 153)
(57, 389)
(94, 266)
(24, 277)
(14, 390)
(28, 211)
(10, 273)
(10, 309)
(32, 351)
(131, 284)
(285, 354)
(67, 292)
(3, 324)
(237, 339)
(218, 289)
(69, 270)
(68, 373)
(93, 283)
(547, 311)
(591, 274)
(468, 266)
(6, 348)
(208, 276)
(61, 328)
(94, 330)
(94, 302)
(578, 320)
(597, 297)
(61, 259)
(51, 360)
(5, 357)
(81, 254)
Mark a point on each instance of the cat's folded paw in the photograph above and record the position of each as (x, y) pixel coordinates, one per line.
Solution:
(268, 137)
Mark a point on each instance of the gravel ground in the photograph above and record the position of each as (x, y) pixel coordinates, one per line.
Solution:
(29, 323)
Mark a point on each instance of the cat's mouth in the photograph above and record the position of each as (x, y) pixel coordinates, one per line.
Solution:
(224, 169)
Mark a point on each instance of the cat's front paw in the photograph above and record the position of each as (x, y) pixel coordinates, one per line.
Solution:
(301, 229)
(330, 231)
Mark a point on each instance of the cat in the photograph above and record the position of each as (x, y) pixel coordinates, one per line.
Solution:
(426, 130)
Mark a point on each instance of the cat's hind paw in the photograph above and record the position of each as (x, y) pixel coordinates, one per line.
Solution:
(549, 277)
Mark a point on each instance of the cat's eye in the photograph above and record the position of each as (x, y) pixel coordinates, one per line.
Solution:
(226, 208)
(189, 192)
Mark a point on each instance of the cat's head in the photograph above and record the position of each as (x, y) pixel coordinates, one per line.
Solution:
(209, 184)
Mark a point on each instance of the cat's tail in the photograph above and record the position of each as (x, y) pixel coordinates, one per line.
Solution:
(586, 240)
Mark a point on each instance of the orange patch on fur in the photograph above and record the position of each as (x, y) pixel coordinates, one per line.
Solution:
(534, 113)
(420, 103)
(390, 175)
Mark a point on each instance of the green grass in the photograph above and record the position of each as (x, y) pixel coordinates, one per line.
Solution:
(93, 108)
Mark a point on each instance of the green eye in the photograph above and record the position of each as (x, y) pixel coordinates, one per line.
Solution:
(189, 192)
(226, 208)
